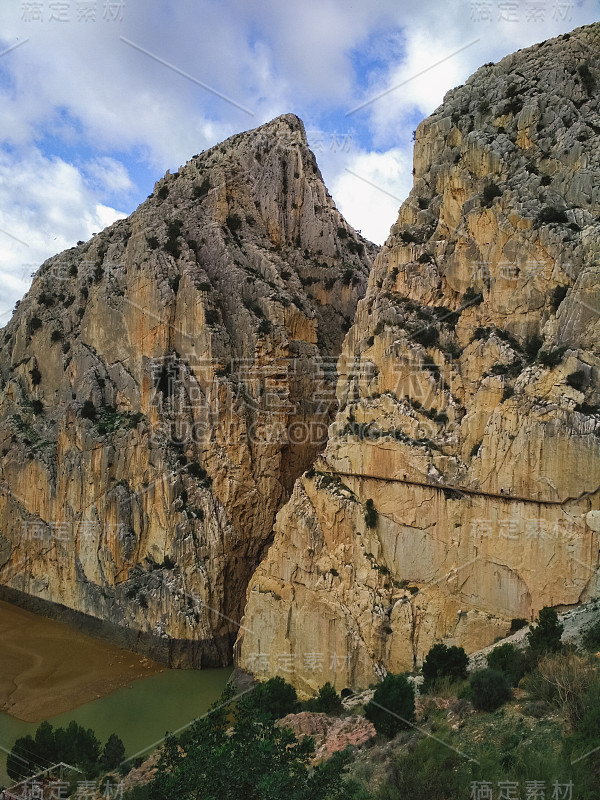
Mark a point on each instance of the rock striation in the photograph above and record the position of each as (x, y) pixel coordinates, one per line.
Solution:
(459, 489)
(163, 385)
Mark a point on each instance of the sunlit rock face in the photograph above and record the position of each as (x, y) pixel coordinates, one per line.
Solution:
(469, 395)
(163, 385)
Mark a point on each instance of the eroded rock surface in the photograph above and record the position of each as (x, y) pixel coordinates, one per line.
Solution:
(469, 397)
(331, 734)
(164, 384)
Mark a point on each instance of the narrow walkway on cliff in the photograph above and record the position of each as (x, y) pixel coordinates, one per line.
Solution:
(461, 490)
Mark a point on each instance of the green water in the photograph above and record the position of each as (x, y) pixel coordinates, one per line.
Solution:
(140, 713)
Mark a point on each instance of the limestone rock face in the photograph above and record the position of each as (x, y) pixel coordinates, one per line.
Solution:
(163, 385)
(331, 734)
(469, 397)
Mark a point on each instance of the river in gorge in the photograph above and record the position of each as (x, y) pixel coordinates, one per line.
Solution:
(48, 671)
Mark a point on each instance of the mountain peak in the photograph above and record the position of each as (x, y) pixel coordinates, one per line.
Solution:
(167, 382)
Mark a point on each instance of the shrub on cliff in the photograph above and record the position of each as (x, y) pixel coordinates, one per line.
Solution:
(563, 680)
(370, 514)
(550, 214)
(490, 192)
(429, 771)
(545, 637)
(444, 662)
(489, 689)
(591, 636)
(577, 380)
(393, 705)
(272, 699)
(234, 223)
(327, 701)
(582, 748)
(508, 660)
(88, 410)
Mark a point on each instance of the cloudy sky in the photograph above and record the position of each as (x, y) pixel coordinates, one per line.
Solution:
(98, 99)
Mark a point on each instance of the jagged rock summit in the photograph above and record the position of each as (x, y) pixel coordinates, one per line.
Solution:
(163, 385)
(459, 489)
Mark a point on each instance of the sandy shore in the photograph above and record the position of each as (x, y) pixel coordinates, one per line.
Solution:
(46, 668)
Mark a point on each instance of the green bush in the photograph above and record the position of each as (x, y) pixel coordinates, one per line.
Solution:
(211, 316)
(508, 660)
(74, 745)
(577, 379)
(201, 190)
(532, 346)
(471, 297)
(591, 636)
(516, 624)
(370, 514)
(34, 324)
(582, 748)
(551, 358)
(172, 246)
(327, 701)
(37, 407)
(427, 336)
(545, 637)
(234, 222)
(408, 238)
(393, 705)
(430, 771)
(272, 699)
(587, 79)
(112, 754)
(88, 410)
(558, 295)
(489, 689)
(550, 214)
(442, 662)
(490, 192)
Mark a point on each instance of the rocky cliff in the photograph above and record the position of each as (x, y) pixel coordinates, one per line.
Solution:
(163, 385)
(459, 487)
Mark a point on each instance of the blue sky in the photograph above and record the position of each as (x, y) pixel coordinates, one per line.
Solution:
(89, 121)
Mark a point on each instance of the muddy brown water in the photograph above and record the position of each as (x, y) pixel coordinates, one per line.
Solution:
(49, 671)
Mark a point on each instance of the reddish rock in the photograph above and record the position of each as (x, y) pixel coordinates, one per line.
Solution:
(331, 734)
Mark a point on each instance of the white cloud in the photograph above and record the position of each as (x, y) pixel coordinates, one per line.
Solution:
(46, 206)
(79, 91)
(450, 33)
(109, 175)
(370, 190)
